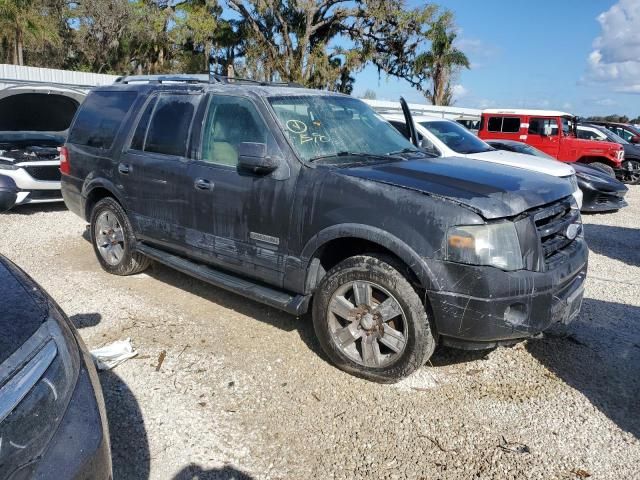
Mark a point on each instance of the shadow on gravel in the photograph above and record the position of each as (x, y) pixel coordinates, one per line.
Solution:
(37, 208)
(228, 472)
(618, 243)
(129, 444)
(238, 303)
(599, 355)
(444, 356)
(84, 320)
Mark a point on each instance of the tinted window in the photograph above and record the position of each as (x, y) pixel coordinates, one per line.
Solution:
(137, 142)
(494, 124)
(100, 117)
(510, 125)
(230, 122)
(169, 127)
(504, 124)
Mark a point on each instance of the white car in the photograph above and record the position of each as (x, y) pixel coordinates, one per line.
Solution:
(446, 138)
(33, 123)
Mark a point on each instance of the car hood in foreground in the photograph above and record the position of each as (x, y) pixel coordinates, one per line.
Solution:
(530, 162)
(22, 309)
(493, 191)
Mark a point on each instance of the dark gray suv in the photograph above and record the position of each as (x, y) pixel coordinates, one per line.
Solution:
(304, 199)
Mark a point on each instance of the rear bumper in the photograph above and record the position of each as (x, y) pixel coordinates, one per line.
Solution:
(481, 307)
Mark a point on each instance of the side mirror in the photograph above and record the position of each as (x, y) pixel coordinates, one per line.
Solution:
(252, 157)
(635, 139)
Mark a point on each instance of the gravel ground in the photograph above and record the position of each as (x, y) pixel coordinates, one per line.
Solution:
(245, 392)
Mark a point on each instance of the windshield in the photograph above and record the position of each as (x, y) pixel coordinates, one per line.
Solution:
(613, 137)
(456, 137)
(324, 126)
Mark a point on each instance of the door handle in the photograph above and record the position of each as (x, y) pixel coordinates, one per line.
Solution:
(124, 168)
(203, 184)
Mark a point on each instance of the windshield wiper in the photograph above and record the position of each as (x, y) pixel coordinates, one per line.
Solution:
(356, 154)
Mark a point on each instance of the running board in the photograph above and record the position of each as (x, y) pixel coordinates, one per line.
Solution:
(293, 304)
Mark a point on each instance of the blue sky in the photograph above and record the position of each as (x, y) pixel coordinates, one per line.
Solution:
(544, 54)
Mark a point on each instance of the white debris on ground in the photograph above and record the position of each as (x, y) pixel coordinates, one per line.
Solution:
(244, 391)
(113, 354)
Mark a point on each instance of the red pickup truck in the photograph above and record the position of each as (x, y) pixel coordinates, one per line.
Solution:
(552, 132)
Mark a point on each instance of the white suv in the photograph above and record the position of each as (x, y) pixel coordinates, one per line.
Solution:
(33, 123)
(446, 138)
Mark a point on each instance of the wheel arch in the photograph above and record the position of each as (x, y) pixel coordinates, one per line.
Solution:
(586, 160)
(336, 243)
(97, 189)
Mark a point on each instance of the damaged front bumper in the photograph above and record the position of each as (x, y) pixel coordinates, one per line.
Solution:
(482, 307)
(27, 188)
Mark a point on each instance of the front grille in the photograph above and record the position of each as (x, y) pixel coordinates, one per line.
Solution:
(551, 224)
(49, 173)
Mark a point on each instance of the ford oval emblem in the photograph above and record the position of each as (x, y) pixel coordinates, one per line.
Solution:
(572, 231)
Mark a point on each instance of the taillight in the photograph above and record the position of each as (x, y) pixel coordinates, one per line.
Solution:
(65, 166)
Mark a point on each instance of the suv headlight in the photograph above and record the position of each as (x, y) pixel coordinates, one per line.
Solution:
(36, 384)
(493, 244)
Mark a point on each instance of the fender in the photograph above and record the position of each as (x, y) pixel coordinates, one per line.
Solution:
(91, 184)
(416, 263)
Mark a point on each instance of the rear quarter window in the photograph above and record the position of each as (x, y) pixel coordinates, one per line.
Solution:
(503, 124)
(100, 117)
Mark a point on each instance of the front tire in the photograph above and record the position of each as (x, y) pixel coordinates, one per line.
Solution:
(113, 239)
(603, 167)
(370, 321)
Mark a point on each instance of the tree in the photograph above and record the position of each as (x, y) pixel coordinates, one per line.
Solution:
(25, 22)
(370, 94)
(442, 60)
(292, 39)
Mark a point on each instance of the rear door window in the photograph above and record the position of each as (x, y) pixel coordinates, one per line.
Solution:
(137, 142)
(100, 117)
(504, 124)
(170, 124)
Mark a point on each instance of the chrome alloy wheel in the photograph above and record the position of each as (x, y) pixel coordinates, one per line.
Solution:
(109, 237)
(367, 323)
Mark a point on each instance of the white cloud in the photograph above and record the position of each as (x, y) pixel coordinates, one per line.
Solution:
(616, 55)
(459, 91)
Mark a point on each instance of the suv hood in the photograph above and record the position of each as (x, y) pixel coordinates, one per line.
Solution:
(493, 191)
(38, 108)
(536, 164)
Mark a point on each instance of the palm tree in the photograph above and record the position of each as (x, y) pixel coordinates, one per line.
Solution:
(442, 60)
(22, 20)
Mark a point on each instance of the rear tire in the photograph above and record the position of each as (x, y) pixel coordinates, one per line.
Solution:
(604, 168)
(113, 240)
(370, 321)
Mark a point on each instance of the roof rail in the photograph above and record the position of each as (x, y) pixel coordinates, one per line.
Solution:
(163, 78)
(214, 77)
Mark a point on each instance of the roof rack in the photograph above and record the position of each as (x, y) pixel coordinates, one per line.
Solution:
(201, 78)
(163, 78)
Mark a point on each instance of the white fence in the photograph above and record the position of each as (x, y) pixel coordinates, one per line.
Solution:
(11, 75)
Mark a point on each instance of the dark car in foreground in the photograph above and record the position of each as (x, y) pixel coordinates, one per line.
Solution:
(52, 415)
(601, 191)
(297, 197)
